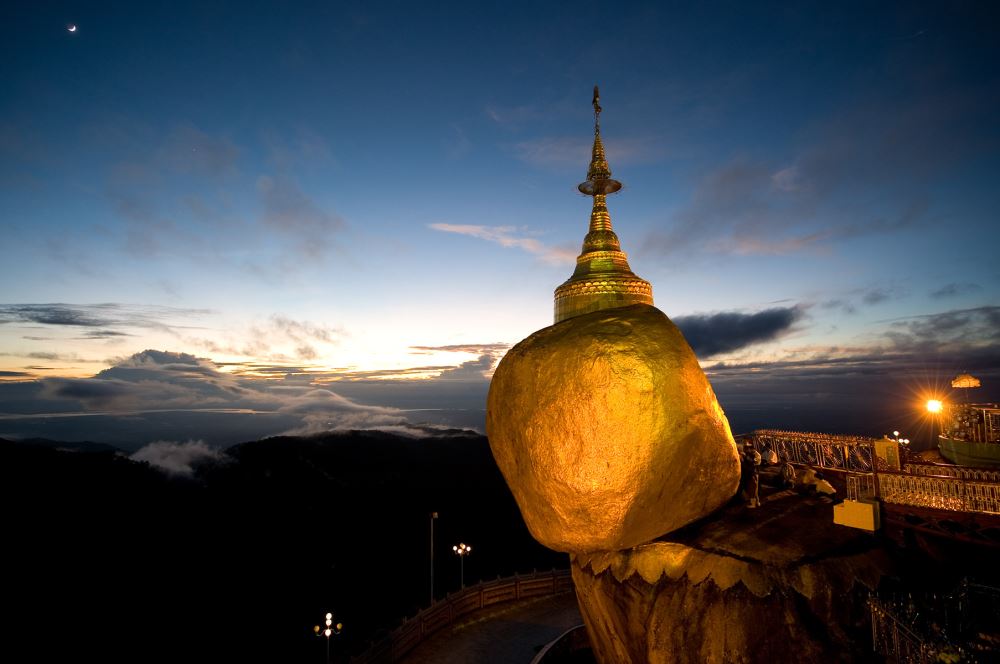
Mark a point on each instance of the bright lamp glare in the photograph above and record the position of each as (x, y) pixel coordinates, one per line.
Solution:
(934, 406)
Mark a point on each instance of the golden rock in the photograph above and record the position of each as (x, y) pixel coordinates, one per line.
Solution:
(608, 432)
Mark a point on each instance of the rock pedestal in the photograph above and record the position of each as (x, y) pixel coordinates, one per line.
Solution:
(778, 584)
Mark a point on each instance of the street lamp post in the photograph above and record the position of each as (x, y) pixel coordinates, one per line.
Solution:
(904, 443)
(434, 515)
(461, 550)
(328, 631)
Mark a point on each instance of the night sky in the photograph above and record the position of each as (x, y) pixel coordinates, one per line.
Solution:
(302, 216)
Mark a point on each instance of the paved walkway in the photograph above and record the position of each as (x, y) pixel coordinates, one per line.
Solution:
(511, 633)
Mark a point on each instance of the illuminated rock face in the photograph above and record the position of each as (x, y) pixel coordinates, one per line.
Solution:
(608, 432)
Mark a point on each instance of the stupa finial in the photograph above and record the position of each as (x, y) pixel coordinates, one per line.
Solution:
(599, 181)
(603, 278)
(597, 111)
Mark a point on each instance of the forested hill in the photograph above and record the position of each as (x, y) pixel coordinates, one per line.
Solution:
(114, 559)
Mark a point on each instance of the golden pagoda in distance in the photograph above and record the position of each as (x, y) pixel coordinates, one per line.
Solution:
(603, 278)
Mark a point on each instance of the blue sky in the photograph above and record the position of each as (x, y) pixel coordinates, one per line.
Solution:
(368, 193)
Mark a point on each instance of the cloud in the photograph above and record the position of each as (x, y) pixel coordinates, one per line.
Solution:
(110, 317)
(54, 314)
(14, 374)
(325, 401)
(876, 296)
(299, 330)
(270, 339)
(732, 210)
(477, 369)
(739, 209)
(177, 197)
(427, 372)
(510, 237)
(955, 289)
(299, 374)
(154, 361)
(851, 300)
(152, 380)
(954, 331)
(844, 305)
(177, 458)
(712, 334)
(104, 334)
(467, 348)
(962, 339)
(153, 165)
(863, 170)
(324, 410)
(92, 394)
(288, 210)
(302, 334)
(157, 381)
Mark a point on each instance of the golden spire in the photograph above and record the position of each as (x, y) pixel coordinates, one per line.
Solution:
(599, 174)
(603, 278)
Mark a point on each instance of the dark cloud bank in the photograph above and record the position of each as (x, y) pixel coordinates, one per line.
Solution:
(872, 389)
(93, 315)
(712, 334)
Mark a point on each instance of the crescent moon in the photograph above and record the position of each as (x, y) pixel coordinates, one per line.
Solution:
(71, 28)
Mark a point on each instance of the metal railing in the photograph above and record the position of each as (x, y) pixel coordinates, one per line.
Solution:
(944, 493)
(894, 640)
(937, 486)
(975, 474)
(860, 486)
(830, 451)
(933, 627)
(442, 613)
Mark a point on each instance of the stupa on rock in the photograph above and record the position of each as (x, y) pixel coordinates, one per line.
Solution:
(603, 424)
(603, 278)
